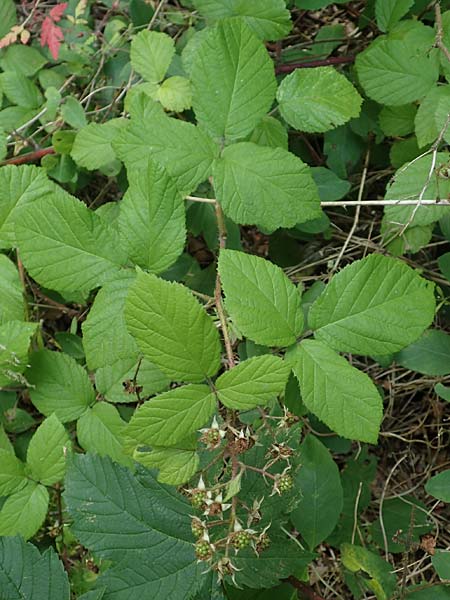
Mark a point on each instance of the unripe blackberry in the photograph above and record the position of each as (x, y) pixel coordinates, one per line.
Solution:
(241, 539)
(203, 550)
(285, 483)
(198, 498)
(263, 543)
(196, 528)
(212, 437)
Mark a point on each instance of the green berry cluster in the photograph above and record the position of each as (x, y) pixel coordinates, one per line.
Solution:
(263, 543)
(198, 498)
(203, 550)
(241, 539)
(196, 528)
(212, 437)
(285, 483)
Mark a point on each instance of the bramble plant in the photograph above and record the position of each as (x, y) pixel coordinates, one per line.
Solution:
(172, 430)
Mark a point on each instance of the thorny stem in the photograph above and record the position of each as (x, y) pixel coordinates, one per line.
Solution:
(257, 470)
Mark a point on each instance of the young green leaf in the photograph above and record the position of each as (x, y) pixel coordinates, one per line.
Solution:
(318, 479)
(152, 219)
(396, 71)
(12, 476)
(342, 397)
(11, 292)
(169, 418)
(67, 247)
(254, 382)
(26, 573)
(24, 512)
(263, 303)
(268, 19)
(270, 132)
(379, 578)
(59, 385)
(92, 148)
(151, 54)
(376, 305)
(176, 465)
(389, 12)
(175, 93)
(233, 81)
(316, 100)
(263, 186)
(19, 186)
(47, 450)
(14, 342)
(151, 522)
(185, 150)
(172, 329)
(100, 429)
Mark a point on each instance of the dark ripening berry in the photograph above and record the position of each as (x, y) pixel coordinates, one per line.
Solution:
(198, 498)
(203, 550)
(285, 483)
(241, 539)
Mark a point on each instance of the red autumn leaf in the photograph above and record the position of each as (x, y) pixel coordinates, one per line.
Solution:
(51, 36)
(57, 12)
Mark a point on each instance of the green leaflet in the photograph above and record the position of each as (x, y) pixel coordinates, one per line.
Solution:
(176, 465)
(169, 418)
(388, 12)
(263, 303)
(20, 90)
(175, 93)
(11, 292)
(263, 186)
(318, 479)
(376, 305)
(92, 148)
(380, 580)
(426, 126)
(397, 71)
(228, 99)
(12, 476)
(46, 454)
(100, 429)
(397, 120)
(317, 100)
(26, 573)
(342, 397)
(270, 132)
(60, 385)
(151, 54)
(14, 342)
(172, 329)
(8, 16)
(24, 511)
(268, 19)
(148, 524)
(67, 247)
(185, 150)
(254, 382)
(429, 355)
(439, 486)
(152, 219)
(19, 186)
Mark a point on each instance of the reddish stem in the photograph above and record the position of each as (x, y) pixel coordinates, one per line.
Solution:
(29, 157)
(310, 64)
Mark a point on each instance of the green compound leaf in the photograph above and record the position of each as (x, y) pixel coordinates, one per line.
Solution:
(268, 19)
(172, 329)
(379, 578)
(46, 454)
(67, 247)
(429, 355)
(151, 54)
(152, 219)
(263, 303)
(183, 149)
(169, 418)
(24, 512)
(92, 147)
(15, 339)
(140, 528)
(19, 186)
(254, 382)
(317, 100)
(342, 397)
(377, 305)
(100, 429)
(11, 292)
(176, 465)
(233, 81)
(263, 186)
(389, 12)
(26, 573)
(59, 385)
(12, 476)
(439, 486)
(175, 93)
(318, 479)
(395, 72)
